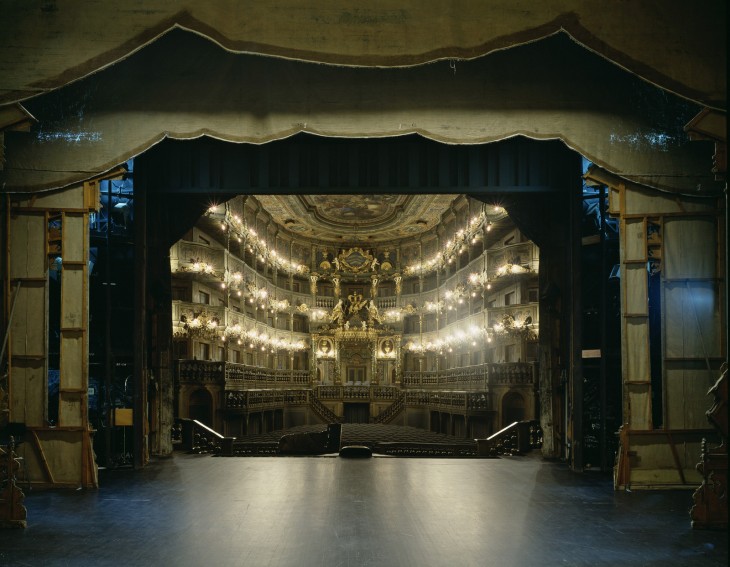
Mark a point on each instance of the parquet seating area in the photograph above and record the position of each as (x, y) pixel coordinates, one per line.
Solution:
(371, 434)
(382, 439)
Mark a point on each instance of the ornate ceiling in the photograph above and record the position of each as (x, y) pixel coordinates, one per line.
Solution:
(357, 218)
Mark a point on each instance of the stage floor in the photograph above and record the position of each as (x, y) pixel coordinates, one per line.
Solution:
(192, 510)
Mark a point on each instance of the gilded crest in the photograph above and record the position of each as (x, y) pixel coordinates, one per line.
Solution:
(356, 260)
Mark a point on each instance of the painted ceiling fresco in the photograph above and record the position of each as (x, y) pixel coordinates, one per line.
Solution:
(357, 218)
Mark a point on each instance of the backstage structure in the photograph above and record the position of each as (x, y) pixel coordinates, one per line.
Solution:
(263, 216)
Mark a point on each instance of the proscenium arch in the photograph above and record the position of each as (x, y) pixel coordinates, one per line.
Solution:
(539, 183)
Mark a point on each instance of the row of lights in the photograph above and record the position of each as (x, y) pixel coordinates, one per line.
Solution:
(263, 341)
(257, 245)
(508, 325)
(453, 247)
(457, 245)
(447, 343)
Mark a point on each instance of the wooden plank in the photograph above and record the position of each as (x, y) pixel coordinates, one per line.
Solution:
(30, 280)
(636, 297)
(42, 455)
(19, 357)
(28, 392)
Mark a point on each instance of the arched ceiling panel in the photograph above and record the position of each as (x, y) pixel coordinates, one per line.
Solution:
(184, 86)
(679, 45)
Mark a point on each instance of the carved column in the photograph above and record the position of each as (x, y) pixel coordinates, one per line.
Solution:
(374, 359)
(338, 368)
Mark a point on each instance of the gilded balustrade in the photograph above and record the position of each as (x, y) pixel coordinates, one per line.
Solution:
(259, 376)
(200, 371)
(473, 377)
(256, 400)
(357, 393)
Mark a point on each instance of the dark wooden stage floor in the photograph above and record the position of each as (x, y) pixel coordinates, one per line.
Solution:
(199, 510)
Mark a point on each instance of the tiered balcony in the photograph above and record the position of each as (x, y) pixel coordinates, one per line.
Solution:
(212, 265)
(229, 318)
(470, 378)
(243, 376)
(464, 391)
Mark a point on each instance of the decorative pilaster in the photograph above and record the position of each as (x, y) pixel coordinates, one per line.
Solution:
(374, 360)
(337, 280)
(313, 278)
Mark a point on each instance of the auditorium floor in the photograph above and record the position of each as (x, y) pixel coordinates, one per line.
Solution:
(198, 510)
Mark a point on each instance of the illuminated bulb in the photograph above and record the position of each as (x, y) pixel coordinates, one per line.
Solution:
(238, 293)
(489, 226)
